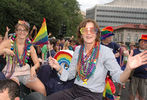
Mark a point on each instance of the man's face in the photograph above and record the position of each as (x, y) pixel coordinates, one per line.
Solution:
(4, 95)
(108, 39)
(143, 44)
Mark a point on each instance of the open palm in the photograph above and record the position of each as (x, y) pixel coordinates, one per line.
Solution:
(137, 60)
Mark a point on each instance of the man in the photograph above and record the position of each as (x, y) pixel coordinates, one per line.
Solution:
(106, 38)
(132, 46)
(138, 81)
(9, 90)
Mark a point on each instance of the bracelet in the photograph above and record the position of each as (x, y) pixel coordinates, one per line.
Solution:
(60, 69)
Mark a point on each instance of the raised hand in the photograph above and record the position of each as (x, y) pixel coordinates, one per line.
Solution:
(34, 27)
(53, 63)
(7, 29)
(8, 52)
(137, 60)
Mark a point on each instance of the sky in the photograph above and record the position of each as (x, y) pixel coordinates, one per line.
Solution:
(85, 4)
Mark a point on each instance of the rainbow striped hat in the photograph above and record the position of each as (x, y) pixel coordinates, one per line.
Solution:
(143, 37)
(106, 32)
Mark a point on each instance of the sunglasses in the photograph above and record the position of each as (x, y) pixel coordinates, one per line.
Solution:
(84, 30)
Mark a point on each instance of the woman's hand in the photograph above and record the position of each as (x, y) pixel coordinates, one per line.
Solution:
(8, 52)
(117, 54)
(137, 60)
(54, 64)
(7, 29)
(33, 72)
(40, 60)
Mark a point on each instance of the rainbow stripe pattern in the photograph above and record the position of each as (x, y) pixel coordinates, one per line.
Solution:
(42, 36)
(64, 58)
(108, 90)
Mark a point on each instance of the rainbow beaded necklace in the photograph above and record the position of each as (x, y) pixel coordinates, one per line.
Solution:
(23, 59)
(87, 63)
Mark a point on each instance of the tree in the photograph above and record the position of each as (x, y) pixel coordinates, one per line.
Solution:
(56, 12)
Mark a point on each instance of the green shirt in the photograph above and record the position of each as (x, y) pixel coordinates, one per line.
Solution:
(44, 51)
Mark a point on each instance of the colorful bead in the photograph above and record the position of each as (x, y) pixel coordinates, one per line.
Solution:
(21, 60)
(29, 42)
(26, 61)
(87, 64)
(12, 48)
(28, 48)
(28, 54)
(28, 58)
(13, 38)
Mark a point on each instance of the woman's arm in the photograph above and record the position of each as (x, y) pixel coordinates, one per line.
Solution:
(35, 61)
(34, 58)
(132, 63)
(5, 48)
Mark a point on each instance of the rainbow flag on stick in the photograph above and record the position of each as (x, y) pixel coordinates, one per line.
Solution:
(42, 36)
(109, 89)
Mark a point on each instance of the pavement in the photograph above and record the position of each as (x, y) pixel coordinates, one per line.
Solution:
(125, 92)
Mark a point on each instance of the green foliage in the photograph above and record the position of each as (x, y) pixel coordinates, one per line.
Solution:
(56, 12)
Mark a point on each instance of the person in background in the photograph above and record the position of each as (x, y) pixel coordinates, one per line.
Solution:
(44, 51)
(66, 45)
(132, 45)
(18, 51)
(57, 46)
(9, 90)
(138, 81)
(106, 39)
(6, 34)
(122, 59)
(49, 76)
(33, 33)
(62, 41)
(48, 50)
(89, 66)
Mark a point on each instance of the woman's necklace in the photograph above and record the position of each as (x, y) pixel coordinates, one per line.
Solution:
(87, 63)
(23, 59)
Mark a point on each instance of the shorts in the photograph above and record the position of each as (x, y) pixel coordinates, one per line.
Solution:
(138, 84)
(24, 79)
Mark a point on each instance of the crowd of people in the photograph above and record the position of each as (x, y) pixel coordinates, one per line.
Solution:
(95, 57)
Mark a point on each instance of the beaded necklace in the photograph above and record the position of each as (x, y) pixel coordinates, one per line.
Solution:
(23, 59)
(87, 63)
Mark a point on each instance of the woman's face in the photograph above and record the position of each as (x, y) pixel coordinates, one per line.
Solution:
(21, 32)
(89, 33)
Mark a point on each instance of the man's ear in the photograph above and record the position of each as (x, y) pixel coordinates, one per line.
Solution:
(17, 98)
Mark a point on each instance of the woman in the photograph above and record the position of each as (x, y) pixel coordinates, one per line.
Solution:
(90, 64)
(66, 45)
(17, 51)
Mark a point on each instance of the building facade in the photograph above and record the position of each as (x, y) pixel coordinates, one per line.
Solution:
(119, 12)
(129, 33)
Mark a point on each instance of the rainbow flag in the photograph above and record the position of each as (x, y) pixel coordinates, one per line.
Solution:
(107, 91)
(42, 36)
